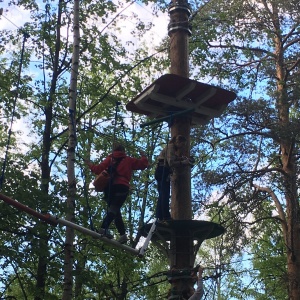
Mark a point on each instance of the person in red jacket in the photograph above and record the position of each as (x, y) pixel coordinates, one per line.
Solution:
(118, 190)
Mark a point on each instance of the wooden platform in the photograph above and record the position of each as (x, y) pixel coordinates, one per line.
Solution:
(171, 94)
(177, 238)
(198, 230)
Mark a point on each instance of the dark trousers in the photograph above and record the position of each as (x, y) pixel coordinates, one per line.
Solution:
(162, 176)
(115, 197)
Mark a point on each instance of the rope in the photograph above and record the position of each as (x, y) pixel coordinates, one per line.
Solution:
(111, 169)
(82, 174)
(25, 37)
(116, 118)
(85, 194)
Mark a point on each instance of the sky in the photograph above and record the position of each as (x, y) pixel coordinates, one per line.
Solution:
(13, 17)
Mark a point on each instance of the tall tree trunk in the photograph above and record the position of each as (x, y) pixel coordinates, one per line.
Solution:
(69, 249)
(292, 238)
(45, 170)
(287, 146)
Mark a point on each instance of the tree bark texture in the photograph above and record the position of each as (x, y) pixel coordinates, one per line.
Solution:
(289, 167)
(46, 169)
(69, 248)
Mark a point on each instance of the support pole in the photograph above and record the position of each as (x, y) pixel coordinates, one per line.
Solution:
(95, 235)
(149, 236)
(52, 220)
(181, 202)
(179, 32)
(28, 210)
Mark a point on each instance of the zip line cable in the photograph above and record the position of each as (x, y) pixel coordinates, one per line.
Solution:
(9, 21)
(111, 162)
(136, 286)
(85, 193)
(25, 37)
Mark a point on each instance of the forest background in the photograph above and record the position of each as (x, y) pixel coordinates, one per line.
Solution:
(246, 173)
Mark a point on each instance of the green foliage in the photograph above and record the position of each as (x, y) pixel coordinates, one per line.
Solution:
(107, 73)
(248, 48)
(233, 45)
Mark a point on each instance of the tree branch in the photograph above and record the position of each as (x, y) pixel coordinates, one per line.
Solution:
(278, 205)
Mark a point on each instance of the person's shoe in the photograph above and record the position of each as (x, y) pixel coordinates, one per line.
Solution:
(105, 232)
(123, 239)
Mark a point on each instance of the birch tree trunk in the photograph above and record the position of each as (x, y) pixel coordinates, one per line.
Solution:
(68, 263)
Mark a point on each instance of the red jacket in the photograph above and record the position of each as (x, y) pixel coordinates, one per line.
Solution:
(125, 167)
